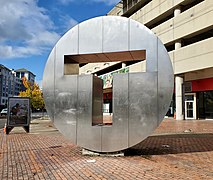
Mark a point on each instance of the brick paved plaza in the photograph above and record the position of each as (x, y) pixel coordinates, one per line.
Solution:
(177, 150)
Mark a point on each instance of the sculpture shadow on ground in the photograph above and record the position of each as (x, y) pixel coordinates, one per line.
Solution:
(172, 144)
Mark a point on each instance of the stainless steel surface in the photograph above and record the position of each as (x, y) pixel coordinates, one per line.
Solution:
(49, 85)
(165, 81)
(143, 110)
(65, 110)
(115, 34)
(143, 38)
(66, 106)
(88, 136)
(90, 37)
(115, 137)
(140, 100)
(97, 101)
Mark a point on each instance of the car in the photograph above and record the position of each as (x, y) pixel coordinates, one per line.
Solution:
(4, 112)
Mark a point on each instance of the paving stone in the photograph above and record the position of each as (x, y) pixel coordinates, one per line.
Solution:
(169, 153)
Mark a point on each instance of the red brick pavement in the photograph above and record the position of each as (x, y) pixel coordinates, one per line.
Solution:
(175, 126)
(170, 153)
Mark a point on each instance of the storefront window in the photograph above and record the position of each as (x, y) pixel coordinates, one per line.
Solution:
(189, 97)
(205, 105)
(209, 104)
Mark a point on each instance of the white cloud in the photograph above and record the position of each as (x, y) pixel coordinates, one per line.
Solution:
(70, 22)
(18, 51)
(43, 38)
(25, 29)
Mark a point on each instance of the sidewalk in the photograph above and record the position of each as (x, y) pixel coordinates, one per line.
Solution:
(176, 150)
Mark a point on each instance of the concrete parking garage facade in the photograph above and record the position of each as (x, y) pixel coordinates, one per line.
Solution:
(186, 28)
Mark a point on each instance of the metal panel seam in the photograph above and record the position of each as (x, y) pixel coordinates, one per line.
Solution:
(76, 132)
(129, 35)
(128, 109)
(157, 83)
(78, 39)
(102, 21)
(54, 80)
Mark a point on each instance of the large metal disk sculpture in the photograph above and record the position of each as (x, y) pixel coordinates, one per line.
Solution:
(140, 100)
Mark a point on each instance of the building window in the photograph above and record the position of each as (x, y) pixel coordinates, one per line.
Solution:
(205, 105)
(22, 74)
(18, 74)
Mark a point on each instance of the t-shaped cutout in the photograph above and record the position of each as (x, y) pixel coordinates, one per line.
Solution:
(72, 62)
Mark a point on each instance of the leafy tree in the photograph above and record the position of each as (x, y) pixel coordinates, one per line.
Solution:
(34, 93)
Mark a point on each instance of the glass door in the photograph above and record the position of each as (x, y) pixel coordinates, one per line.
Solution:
(189, 114)
(190, 106)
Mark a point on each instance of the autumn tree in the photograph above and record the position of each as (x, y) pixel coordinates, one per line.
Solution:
(34, 93)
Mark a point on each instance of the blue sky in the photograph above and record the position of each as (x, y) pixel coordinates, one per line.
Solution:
(29, 29)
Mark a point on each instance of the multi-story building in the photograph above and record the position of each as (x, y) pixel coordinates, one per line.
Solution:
(11, 83)
(186, 29)
(17, 84)
(20, 73)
